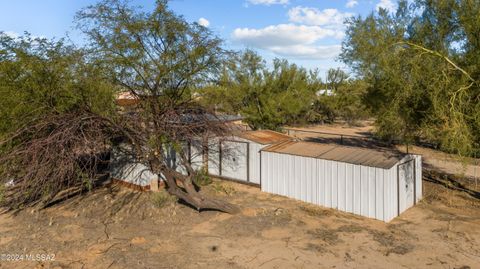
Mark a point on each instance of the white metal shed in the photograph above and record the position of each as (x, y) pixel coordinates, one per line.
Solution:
(374, 183)
(125, 167)
(238, 157)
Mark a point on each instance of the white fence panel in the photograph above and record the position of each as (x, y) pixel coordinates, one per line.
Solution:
(234, 160)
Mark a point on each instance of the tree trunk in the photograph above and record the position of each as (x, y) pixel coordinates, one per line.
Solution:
(191, 196)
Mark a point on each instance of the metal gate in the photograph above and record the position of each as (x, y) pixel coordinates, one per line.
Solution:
(406, 185)
(234, 160)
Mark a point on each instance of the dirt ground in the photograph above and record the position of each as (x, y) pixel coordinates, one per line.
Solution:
(114, 227)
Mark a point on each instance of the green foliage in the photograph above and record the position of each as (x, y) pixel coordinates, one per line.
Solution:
(202, 178)
(156, 54)
(422, 67)
(162, 198)
(2, 193)
(283, 95)
(267, 98)
(341, 98)
(38, 76)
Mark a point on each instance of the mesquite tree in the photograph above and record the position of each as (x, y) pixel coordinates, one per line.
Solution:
(55, 121)
(421, 64)
(159, 58)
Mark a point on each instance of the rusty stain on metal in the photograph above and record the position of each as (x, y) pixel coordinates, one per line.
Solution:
(264, 136)
(373, 157)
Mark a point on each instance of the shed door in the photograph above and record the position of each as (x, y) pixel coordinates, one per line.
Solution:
(406, 176)
(234, 160)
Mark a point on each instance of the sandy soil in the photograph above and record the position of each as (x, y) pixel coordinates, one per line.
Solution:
(433, 159)
(363, 128)
(115, 227)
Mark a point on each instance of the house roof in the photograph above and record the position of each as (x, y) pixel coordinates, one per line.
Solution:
(126, 99)
(373, 157)
(264, 136)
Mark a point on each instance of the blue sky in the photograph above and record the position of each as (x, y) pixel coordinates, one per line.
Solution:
(307, 32)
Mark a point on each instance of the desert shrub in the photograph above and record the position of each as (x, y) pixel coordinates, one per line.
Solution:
(2, 193)
(223, 189)
(162, 199)
(202, 178)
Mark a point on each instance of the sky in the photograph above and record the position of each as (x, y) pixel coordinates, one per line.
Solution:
(306, 32)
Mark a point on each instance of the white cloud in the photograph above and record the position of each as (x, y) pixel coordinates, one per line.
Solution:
(203, 22)
(290, 40)
(283, 35)
(351, 3)
(11, 34)
(386, 4)
(308, 52)
(329, 17)
(302, 37)
(269, 2)
(16, 35)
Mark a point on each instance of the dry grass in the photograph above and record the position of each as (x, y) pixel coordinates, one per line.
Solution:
(162, 198)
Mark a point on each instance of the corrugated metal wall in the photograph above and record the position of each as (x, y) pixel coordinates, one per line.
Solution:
(235, 147)
(234, 160)
(362, 190)
(127, 168)
(400, 203)
(196, 154)
(254, 162)
(418, 179)
(214, 157)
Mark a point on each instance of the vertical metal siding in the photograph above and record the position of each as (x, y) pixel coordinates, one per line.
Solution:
(394, 192)
(349, 178)
(213, 158)
(334, 181)
(196, 154)
(126, 168)
(234, 160)
(321, 181)
(314, 168)
(388, 180)
(371, 192)
(379, 193)
(254, 162)
(366, 191)
(342, 170)
(328, 183)
(418, 175)
(356, 189)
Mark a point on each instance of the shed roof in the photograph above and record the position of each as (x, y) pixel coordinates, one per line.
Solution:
(374, 157)
(264, 136)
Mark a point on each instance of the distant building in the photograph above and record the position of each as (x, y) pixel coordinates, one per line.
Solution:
(327, 92)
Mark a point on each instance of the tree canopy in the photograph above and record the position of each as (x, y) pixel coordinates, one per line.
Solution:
(40, 76)
(67, 95)
(284, 94)
(422, 67)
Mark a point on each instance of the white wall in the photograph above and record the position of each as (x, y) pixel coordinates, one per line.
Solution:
(237, 150)
(235, 160)
(254, 162)
(362, 190)
(400, 208)
(127, 168)
(213, 157)
(196, 154)
(418, 179)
